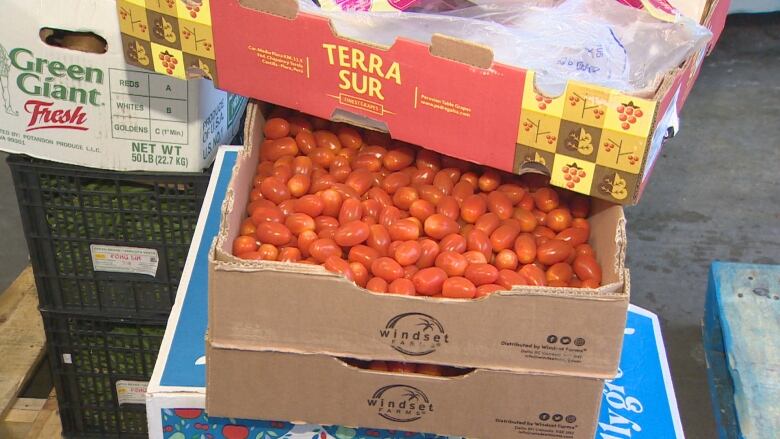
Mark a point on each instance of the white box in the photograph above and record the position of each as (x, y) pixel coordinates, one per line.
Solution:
(93, 109)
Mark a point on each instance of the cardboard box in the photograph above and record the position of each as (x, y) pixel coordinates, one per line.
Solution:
(306, 309)
(448, 96)
(639, 403)
(325, 390)
(90, 107)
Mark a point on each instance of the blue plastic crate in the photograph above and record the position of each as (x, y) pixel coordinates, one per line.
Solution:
(741, 328)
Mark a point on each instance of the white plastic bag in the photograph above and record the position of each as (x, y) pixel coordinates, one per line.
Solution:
(595, 41)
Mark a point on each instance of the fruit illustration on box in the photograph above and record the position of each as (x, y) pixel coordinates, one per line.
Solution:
(542, 101)
(573, 174)
(136, 24)
(136, 52)
(193, 7)
(199, 69)
(631, 156)
(188, 413)
(629, 114)
(235, 432)
(191, 34)
(167, 4)
(589, 105)
(529, 125)
(536, 158)
(614, 185)
(162, 28)
(169, 62)
(581, 142)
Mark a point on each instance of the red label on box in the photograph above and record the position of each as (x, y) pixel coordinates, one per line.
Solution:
(404, 86)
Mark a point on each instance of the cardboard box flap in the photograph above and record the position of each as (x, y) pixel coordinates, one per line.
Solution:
(455, 49)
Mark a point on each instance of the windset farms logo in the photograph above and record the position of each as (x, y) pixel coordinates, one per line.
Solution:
(400, 403)
(52, 105)
(414, 334)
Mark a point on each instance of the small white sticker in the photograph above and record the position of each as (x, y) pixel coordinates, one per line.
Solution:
(124, 259)
(67, 359)
(131, 392)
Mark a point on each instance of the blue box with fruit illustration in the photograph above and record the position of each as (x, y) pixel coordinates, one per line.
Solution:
(638, 403)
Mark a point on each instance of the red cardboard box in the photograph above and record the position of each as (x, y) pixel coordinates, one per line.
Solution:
(448, 96)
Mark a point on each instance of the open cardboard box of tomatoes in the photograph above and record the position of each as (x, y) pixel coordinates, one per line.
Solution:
(419, 92)
(257, 305)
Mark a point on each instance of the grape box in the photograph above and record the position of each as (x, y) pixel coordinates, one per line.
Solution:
(448, 95)
(69, 96)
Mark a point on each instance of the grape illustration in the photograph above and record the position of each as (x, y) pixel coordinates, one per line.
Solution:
(127, 14)
(168, 62)
(542, 101)
(629, 114)
(193, 33)
(573, 174)
(193, 6)
(529, 125)
(631, 156)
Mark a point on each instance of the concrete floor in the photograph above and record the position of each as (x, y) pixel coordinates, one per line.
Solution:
(713, 196)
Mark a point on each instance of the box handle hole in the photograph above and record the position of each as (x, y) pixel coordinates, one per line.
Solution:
(88, 42)
(282, 8)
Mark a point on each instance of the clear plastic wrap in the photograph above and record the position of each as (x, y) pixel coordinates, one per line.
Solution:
(595, 41)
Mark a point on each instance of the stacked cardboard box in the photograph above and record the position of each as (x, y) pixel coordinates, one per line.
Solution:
(279, 333)
(69, 96)
(283, 329)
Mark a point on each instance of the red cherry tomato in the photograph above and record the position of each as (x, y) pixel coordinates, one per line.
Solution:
(458, 288)
(244, 244)
(276, 128)
(377, 284)
(454, 264)
(402, 286)
(323, 248)
(481, 274)
(534, 275)
(437, 226)
(407, 253)
(387, 268)
(453, 243)
(429, 281)
(352, 233)
(553, 251)
(273, 233)
(587, 268)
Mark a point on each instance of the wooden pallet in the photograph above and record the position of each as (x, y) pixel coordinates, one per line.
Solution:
(741, 324)
(32, 419)
(22, 346)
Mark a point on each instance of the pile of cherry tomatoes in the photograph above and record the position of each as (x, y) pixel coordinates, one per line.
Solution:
(399, 219)
(408, 368)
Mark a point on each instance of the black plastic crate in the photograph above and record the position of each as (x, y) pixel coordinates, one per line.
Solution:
(89, 356)
(68, 209)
